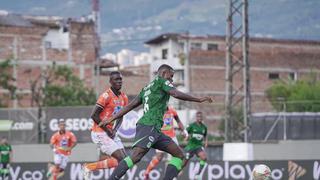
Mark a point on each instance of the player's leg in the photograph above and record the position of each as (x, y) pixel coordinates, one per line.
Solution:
(128, 162)
(202, 158)
(144, 139)
(154, 162)
(113, 148)
(54, 170)
(165, 143)
(60, 166)
(5, 171)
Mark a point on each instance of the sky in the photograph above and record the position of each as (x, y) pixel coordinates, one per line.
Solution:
(128, 24)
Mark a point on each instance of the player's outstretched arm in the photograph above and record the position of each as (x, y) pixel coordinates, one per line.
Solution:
(133, 104)
(187, 97)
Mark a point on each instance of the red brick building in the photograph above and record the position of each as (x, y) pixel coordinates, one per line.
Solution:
(34, 42)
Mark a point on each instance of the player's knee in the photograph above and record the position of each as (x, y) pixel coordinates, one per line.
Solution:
(180, 155)
(160, 156)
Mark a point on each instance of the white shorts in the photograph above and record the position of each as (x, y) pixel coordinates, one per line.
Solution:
(174, 140)
(105, 143)
(61, 160)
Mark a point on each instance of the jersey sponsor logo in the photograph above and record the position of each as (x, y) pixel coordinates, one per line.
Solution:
(64, 142)
(197, 136)
(128, 127)
(116, 109)
(72, 124)
(151, 138)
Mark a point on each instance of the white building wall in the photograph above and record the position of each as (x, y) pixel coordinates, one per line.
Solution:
(57, 39)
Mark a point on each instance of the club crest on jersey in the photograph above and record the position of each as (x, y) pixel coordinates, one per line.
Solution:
(168, 83)
(105, 95)
(117, 102)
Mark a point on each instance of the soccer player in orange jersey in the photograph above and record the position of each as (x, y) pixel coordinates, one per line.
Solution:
(108, 104)
(62, 142)
(167, 129)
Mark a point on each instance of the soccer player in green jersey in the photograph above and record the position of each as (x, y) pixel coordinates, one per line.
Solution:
(154, 98)
(197, 134)
(5, 152)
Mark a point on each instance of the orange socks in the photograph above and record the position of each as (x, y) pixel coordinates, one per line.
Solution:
(153, 163)
(104, 164)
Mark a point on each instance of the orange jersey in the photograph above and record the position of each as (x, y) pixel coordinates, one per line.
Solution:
(111, 104)
(62, 142)
(168, 119)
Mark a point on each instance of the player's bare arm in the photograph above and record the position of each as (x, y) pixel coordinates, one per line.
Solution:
(186, 97)
(117, 124)
(95, 116)
(133, 104)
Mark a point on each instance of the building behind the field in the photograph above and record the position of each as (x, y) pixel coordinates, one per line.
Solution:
(34, 42)
(270, 60)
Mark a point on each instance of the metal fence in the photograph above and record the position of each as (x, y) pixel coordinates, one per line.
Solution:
(284, 126)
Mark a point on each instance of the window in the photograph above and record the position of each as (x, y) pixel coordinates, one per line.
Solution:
(47, 44)
(181, 45)
(273, 76)
(212, 47)
(195, 46)
(293, 76)
(164, 53)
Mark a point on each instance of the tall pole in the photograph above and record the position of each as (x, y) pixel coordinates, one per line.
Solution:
(246, 72)
(237, 65)
(186, 70)
(96, 16)
(228, 87)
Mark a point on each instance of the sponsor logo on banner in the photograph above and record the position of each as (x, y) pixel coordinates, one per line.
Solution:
(316, 170)
(128, 126)
(72, 124)
(23, 126)
(295, 171)
(214, 170)
(20, 173)
(7, 125)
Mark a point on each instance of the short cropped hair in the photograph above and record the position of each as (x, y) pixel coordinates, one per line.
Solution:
(165, 67)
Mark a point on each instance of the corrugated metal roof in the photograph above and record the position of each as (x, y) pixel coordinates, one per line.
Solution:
(14, 20)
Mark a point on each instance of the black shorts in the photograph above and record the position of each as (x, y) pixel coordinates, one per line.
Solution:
(190, 153)
(4, 165)
(148, 137)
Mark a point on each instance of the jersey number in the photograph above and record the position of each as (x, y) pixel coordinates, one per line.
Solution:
(146, 105)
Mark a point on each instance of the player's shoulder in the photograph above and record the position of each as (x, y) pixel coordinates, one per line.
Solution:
(69, 133)
(203, 125)
(124, 95)
(55, 134)
(106, 94)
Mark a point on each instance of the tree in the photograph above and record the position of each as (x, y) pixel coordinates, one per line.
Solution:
(69, 91)
(7, 80)
(58, 86)
(298, 96)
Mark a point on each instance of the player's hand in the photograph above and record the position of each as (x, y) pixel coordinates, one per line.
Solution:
(185, 134)
(104, 123)
(206, 99)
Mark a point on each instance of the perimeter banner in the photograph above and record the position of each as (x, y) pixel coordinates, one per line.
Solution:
(218, 170)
